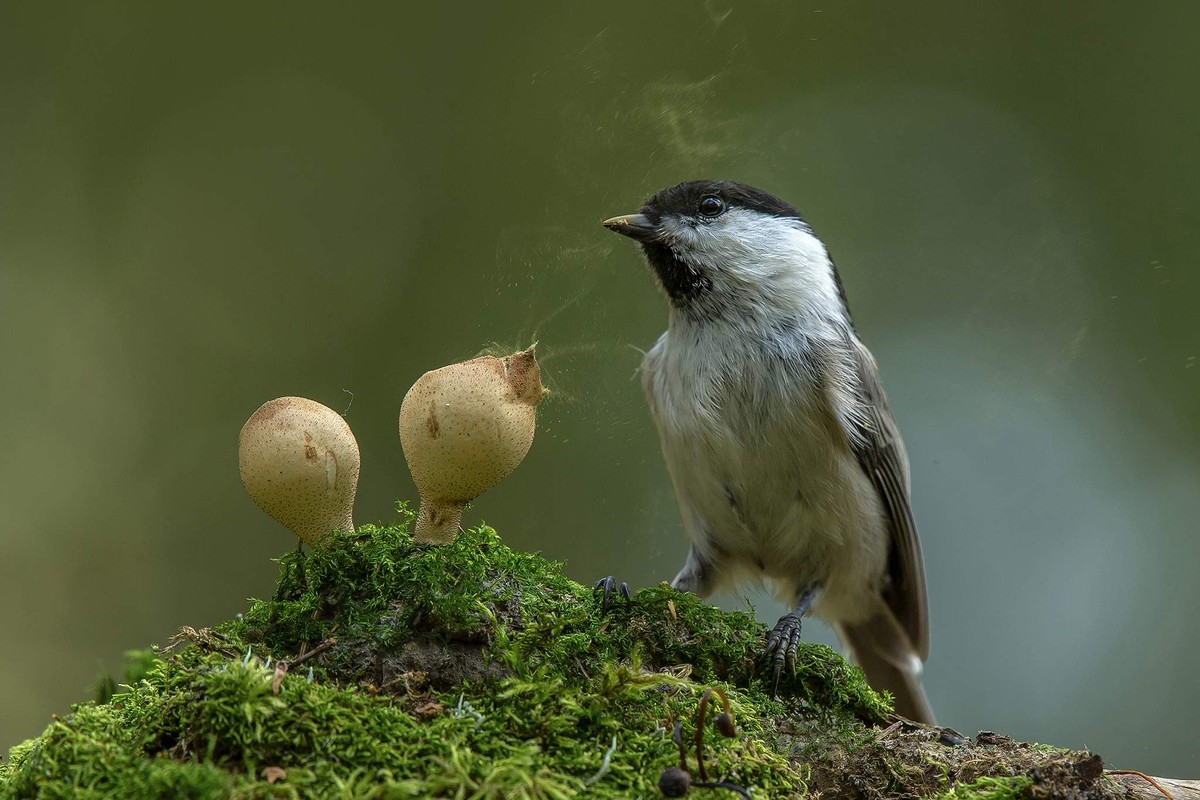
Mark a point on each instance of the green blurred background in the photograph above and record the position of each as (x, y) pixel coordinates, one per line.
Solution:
(206, 206)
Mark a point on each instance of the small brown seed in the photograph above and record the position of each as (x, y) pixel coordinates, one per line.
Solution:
(674, 782)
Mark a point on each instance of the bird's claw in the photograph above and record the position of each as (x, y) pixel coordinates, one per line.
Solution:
(781, 648)
(608, 586)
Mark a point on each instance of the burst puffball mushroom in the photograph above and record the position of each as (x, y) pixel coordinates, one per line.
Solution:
(463, 429)
(299, 463)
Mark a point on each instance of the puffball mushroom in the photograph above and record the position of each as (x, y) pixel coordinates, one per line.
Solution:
(299, 463)
(464, 428)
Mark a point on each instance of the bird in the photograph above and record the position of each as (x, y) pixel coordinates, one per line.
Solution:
(782, 449)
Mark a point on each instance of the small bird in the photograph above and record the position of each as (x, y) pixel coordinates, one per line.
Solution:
(780, 443)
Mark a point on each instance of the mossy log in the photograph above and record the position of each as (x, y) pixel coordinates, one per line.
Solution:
(383, 668)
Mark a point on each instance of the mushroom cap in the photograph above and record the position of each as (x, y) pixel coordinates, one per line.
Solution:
(299, 463)
(466, 426)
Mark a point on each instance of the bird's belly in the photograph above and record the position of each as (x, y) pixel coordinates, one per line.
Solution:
(796, 509)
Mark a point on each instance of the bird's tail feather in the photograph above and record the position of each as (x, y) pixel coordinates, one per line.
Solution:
(883, 650)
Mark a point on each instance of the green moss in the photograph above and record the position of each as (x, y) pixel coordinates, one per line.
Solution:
(1003, 788)
(466, 671)
(138, 664)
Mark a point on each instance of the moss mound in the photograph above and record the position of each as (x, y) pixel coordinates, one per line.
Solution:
(472, 671)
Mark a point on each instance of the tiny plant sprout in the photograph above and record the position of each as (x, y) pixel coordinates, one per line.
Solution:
(463, 429)
(299, 463)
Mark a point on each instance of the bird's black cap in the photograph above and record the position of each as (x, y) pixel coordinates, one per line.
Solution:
(685, 197)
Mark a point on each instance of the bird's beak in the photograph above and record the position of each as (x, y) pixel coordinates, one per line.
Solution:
(635, 226)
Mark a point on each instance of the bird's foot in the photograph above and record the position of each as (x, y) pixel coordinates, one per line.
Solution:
(781, 647)
(608, 586)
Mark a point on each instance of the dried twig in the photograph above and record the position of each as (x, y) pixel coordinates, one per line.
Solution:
(316, 651)
(1144, 777)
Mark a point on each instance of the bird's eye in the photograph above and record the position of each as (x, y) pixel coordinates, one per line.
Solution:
(711, 205)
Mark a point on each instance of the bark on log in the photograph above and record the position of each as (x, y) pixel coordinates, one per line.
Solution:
(1143, 789)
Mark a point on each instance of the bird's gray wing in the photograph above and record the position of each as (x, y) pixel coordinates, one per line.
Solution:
(876, 443)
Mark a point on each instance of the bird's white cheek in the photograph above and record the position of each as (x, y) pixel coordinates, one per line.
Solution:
(681, 236)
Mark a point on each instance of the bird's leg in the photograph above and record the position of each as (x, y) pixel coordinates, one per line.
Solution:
(697, 576)
(608, 586)
(785, 636)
